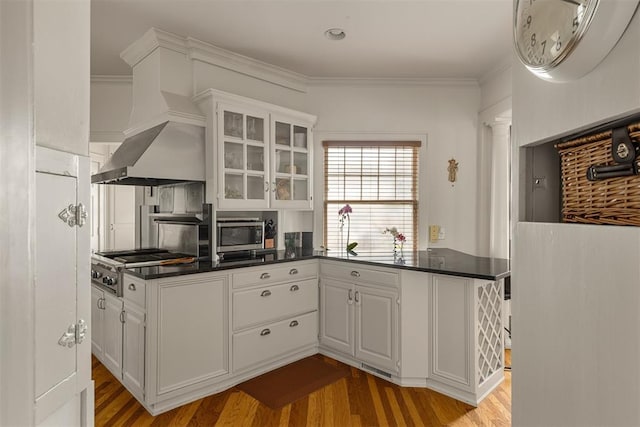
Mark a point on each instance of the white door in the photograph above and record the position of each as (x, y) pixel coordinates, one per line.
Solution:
(121, 216)
(133, 351)
(97, 207)
(62, 280)
(97, 321)
(376, 327)
(336, 315)
(112, 344)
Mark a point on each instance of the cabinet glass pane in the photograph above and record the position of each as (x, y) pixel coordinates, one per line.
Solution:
(299, 137)
(233, 188)
(233, 124)
(255, 128)
(255, 158)
(283, 134)
(283, 189)
(300, 163)
(232, 155)
(255, 188)
(300, 189)
(283, 161)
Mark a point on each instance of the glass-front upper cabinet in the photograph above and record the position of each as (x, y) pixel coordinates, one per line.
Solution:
(244, 154)
(291, 176)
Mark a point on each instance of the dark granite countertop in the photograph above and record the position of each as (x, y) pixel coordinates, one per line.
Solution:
(437, 260)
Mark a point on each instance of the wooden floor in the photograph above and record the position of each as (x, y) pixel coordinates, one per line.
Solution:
(358, 400)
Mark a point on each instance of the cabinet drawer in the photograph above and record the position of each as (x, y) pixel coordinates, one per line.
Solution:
(272, 274)
(258, 345)
(134, 290)
(268, 303)
(355, 273)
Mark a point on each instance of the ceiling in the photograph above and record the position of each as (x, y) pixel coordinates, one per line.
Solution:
(385, 39)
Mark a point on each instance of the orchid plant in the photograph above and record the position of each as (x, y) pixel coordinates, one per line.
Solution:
(343, 214)
(398, 238)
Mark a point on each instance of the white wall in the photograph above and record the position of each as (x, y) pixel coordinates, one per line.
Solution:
(575, 287)
(445, 114)
(110, 107)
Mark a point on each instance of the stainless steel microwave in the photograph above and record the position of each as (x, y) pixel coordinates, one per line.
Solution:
(239, 234)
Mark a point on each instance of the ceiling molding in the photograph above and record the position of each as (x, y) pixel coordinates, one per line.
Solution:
(502, 66)
(210, 54)
(112, 79)
(389, 81)
(149, 42)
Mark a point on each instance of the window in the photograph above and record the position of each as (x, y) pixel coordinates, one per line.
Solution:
(380, 182)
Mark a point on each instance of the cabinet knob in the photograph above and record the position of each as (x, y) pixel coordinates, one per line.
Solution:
(293, 271)
(294, 288)
(355, 273)
(266, 186)
(350, 298)
(293, 324)
(265, 293)
(265, 276)
(357, 299)
(265, 332)
(132, 287)
(122, 316)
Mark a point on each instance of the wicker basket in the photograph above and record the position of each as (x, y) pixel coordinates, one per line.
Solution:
(614, 201)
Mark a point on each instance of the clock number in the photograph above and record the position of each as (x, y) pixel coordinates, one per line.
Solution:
(533, 39)
(528, 21)
(544, 45)
(575, 25)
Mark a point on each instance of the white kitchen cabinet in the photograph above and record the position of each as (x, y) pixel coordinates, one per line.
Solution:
(112, 345)
(133, 344)
(275, 313)
(97, 321)
(261, 154)
(358, 320)
(466, 336)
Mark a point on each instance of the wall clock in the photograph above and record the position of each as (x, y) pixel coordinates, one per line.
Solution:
(562, 40)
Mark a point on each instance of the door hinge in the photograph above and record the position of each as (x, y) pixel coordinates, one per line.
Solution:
(75, 334)
(74, 215)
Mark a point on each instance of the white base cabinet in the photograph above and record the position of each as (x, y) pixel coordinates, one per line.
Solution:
(106, 329)
(357, 320)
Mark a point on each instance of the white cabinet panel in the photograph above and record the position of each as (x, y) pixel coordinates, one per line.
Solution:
(192, 332)
(264, 304)
(262, 344)
(113, 334)
(336, 315)
(133, 353)
(97, 321)
(376, 327)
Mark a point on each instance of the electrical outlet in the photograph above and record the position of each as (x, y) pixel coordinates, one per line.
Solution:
(441, 233)
(434, 230)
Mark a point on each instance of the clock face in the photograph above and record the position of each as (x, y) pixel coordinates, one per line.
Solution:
(546, 31)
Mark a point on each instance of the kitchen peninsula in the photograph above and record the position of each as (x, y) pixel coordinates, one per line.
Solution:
(428, 319)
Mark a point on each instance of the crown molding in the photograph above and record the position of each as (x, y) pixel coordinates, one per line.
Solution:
(128, 79)
(149, 42)
(502, 66)
(210, 54)
(389, 81)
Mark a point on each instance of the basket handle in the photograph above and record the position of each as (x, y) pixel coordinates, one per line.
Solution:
(597, 173)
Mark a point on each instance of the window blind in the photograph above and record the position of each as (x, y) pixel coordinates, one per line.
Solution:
(379, 180)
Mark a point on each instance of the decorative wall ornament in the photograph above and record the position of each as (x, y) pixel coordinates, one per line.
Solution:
(453, 169)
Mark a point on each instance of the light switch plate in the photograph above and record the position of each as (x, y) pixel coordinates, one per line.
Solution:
(434, 230)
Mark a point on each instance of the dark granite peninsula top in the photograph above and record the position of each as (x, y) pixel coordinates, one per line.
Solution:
(437, 260)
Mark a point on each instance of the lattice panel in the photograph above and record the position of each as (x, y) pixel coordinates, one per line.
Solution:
(489, 330)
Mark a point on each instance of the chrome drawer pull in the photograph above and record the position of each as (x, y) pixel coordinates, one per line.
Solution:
(293, 271)
(132, 287)
(265, 276)
(293, 323)
(355, 273)
(265, 332)
(265, 293)
(294, 288)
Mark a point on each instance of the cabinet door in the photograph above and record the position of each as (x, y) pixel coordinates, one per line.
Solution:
(113, 334)
(376, 327)
(97, 321)
(336, 315)
(291, 174)
(133, 349)
(243, 157)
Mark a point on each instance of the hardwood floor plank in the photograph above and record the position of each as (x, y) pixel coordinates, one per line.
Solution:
(359, 399)
(377, 402)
